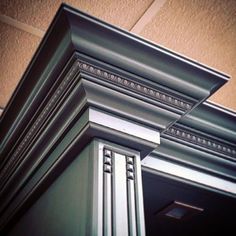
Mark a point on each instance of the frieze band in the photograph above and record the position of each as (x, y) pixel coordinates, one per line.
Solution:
(137, 87)
(197, 139)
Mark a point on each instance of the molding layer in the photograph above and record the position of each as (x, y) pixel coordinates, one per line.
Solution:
(204, 140)
(168, 99)
(209, 128)
(183, 134)
(195, 158)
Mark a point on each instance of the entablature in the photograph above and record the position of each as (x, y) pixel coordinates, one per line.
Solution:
(89, 80)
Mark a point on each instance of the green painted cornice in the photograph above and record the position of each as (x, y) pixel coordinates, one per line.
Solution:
(134, 90)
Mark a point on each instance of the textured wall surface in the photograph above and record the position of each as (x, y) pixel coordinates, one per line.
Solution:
(16, 50)
(17, 47)
(204, 30)
(39, 13)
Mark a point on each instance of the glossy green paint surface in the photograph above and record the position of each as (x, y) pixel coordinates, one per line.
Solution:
(63, 208)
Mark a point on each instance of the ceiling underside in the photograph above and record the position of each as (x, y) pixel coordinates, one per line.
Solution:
(202, 30)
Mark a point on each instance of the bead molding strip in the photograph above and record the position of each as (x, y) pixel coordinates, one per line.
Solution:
(200, 140)
(137, 87)
(41, 118)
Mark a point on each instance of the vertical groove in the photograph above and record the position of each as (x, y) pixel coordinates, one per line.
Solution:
(107, 205)
(107, 193)
(131, 208)
(139, 198)
(131, 196)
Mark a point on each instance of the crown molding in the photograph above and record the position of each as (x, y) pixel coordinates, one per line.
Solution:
(78, 32)
(138, 56)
